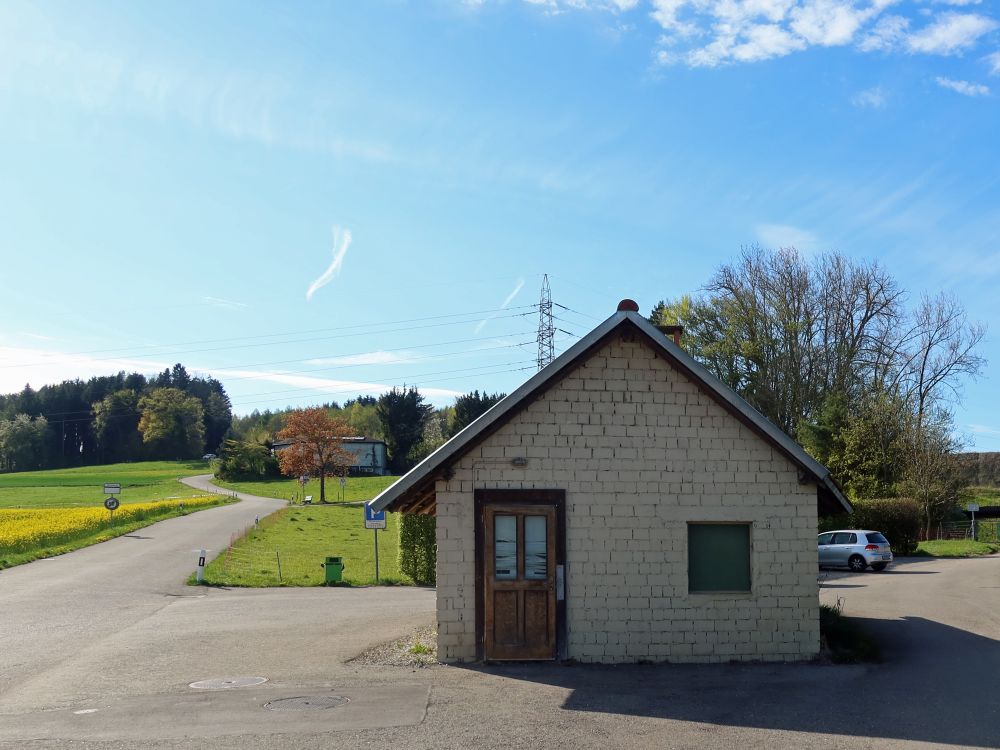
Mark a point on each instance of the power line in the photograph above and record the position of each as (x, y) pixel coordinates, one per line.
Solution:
(369, 332)
(308, 391)
(357, 354)
(528, 366)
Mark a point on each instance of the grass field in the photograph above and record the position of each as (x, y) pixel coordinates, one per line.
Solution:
(141, 482)
(981, 495)
(358, 488)
(289, 546)
(31, 534)
(956, 548)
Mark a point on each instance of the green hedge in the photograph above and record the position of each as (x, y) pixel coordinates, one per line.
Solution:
(418, 548)
(988, 531)
(898, 518)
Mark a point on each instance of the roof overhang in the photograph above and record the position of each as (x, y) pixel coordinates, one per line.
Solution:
(414, 491)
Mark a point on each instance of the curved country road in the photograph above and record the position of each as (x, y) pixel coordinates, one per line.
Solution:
(117, 619)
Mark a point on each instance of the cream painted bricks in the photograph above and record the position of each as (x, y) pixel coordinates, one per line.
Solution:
(640, 452)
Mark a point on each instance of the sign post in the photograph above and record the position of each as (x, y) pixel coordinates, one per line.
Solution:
(973, 507)
(111, 503)
(374, 521)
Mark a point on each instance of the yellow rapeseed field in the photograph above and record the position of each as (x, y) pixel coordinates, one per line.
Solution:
(28, 530)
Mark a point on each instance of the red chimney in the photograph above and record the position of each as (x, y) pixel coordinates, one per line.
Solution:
(673, 331)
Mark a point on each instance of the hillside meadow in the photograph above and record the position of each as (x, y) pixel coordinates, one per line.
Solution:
(141, 482)
(356, 489)
(46, 513)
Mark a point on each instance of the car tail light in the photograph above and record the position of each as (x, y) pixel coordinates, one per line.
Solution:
(871, 548)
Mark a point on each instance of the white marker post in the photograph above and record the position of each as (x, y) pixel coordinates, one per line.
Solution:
(201, 566)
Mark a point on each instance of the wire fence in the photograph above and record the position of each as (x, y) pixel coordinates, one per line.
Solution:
(982, 531)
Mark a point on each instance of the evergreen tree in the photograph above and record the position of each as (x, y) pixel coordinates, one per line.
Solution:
(471, 406)
(403, 414)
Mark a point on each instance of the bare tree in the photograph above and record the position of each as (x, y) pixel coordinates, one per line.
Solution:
(936, 353)
(825, 348)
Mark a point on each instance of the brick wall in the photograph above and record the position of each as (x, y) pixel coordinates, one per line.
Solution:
(641, 451)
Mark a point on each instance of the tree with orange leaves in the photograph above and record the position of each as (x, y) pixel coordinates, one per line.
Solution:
(317, 446)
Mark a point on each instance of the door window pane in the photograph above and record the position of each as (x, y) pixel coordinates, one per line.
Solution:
(505, 548)
(718, 557)
(536, 548)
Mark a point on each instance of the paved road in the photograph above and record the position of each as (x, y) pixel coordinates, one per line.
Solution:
(939, 622)
(115, 623)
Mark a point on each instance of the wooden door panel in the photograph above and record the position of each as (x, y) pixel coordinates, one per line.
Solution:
(506, 609)
(537, 618)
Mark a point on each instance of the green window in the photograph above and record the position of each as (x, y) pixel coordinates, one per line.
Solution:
(718, 557)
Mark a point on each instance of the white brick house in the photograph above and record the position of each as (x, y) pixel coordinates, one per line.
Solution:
(623, 505)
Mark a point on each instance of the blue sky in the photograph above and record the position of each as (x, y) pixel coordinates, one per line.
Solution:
(176, 177)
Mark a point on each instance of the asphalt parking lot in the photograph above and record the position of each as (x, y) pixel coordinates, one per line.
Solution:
(100, 648)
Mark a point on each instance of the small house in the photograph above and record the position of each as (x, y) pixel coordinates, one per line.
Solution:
(370, 456)
(623, 505)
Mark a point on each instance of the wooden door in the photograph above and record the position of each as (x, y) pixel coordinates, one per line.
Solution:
(520, 582)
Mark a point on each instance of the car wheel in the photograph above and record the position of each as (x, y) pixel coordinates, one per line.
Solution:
(879, 566)
(857, 564)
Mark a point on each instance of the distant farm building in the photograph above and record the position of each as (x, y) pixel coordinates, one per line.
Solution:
(370, 456)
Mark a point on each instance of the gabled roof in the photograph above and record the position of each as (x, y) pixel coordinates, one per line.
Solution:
(414, 491)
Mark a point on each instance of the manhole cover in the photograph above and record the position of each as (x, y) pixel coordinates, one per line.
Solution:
(225, 683)
(306, 703)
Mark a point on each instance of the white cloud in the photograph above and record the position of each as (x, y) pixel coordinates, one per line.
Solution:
(888, 34)
(982, 429)
(873, 98)
(785, 236)
(47, 366)
(43, 60)
(366, 358)
(510, 298)
(709, 33)
(963, 87)
(341, 241)
(225, 304)
(950, 33)
(764, 41)
(993, 61)
(827, 22)
(321, 386)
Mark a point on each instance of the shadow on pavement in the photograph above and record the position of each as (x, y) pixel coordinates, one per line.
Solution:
(936, 685)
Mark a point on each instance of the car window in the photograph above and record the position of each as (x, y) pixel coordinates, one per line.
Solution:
(844, 537)
(824, 538)
(853, 539)
(876, 538)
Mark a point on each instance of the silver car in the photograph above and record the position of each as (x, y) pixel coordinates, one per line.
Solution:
(854, 549)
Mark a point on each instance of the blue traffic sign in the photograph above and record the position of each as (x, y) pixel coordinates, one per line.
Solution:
(374, 520)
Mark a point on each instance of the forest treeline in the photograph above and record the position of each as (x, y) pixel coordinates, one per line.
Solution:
(411, 429)
(112, 418)
(173, 415)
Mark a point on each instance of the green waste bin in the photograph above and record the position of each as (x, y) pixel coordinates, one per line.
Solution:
(334, 567)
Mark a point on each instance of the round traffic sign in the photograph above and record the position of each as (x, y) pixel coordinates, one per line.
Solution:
(111, 503)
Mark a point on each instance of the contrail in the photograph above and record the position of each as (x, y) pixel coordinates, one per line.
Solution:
(341, 241)
(507, 301)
